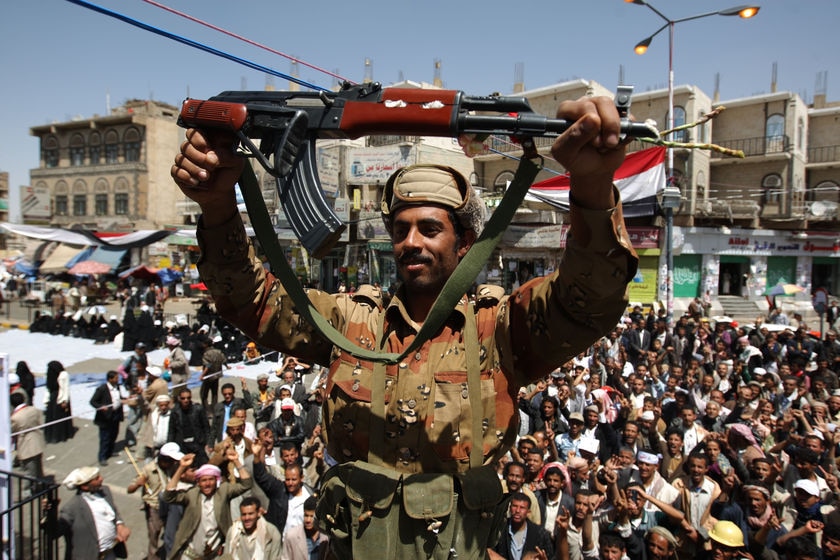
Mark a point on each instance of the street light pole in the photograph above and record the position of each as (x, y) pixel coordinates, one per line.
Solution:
(669, 202)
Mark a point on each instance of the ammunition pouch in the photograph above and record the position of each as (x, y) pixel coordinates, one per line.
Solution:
(376, 512)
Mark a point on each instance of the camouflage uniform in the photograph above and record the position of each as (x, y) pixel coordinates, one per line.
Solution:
(521, 337)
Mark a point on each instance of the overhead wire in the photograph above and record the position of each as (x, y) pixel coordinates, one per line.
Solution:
(195, 44)
(245, 39)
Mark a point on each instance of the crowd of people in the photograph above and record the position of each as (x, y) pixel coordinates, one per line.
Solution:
(237, 477)
(657, 442)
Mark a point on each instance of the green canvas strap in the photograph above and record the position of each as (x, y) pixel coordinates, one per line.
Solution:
(474, 386)
(456, 286)
(376, 447)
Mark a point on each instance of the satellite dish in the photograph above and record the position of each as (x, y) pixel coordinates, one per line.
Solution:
(819, 209)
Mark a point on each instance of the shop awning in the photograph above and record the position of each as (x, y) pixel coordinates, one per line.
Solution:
(107, 256)
(58, 259)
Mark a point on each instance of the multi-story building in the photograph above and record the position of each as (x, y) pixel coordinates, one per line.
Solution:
(111, 173)
(743, 224)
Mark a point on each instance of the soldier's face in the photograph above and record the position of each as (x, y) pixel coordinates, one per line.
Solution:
(426, 247)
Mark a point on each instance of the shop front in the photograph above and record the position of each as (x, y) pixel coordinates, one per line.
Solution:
(747, 262)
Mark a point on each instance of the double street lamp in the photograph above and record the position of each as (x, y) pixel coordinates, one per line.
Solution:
(671, 196)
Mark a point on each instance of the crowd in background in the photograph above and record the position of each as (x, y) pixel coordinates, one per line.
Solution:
(645, 443)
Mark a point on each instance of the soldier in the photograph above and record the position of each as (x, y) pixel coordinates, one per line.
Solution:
(429, 420)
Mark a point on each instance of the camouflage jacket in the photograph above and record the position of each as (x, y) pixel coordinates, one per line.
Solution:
(522, 337)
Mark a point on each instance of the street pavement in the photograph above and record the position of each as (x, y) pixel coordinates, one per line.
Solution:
(87, 364)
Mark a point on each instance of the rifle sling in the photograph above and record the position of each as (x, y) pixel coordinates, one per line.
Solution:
(456, 286)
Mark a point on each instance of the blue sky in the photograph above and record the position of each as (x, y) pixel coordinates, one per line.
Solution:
(60, 60)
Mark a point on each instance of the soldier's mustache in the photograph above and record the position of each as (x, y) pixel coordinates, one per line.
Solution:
(413, 257)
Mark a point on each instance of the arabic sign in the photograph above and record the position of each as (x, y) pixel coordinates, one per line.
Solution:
(371, 165)
(764, 242)
(35, 202)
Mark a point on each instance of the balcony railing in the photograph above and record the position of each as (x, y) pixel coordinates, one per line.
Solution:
(760, 146)
(824, 154)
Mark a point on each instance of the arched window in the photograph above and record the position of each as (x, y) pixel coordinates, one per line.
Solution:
(121, 197)
(79, 198)
(771, 187)
(112, 147)
(679, 120)
(131, 143)
(100, 197)
(60, 198)
(775, 133)
(77, 150)
(503, 179)
(49, 147)
(95, 148)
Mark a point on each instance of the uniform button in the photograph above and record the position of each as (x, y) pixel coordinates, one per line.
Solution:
(418, 356)
(355, 386)
(412, 403)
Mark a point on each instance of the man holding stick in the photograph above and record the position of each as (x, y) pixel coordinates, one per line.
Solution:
(152, 478)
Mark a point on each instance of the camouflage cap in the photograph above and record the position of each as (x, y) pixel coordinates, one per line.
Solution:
(433, 184)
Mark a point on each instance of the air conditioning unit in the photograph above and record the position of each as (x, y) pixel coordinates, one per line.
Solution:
(823, 209)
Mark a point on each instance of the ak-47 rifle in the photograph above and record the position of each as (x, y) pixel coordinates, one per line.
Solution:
(287, 123)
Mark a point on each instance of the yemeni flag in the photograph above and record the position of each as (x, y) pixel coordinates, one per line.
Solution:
(639, 179)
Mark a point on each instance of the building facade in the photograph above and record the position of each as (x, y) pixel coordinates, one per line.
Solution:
(111, 173)
(743, 224)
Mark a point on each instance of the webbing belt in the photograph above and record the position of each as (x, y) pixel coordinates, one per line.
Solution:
(456, 286)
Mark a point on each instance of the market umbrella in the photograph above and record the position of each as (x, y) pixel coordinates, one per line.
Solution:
(90, 267)
(782, 289)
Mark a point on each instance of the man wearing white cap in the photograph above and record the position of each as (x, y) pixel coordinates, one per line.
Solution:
(156, 427)
(804, 513)
(434, 217)
(288, 426)
(177, 363)
(648, 463)
(152, 478)
(90, 521)
(156, 385)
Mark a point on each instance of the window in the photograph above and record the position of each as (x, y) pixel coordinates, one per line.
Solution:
(502, 181)
(775, 133)
(77, 150)
(49, 146)
(701, 130)
(121, 204)
(101, 204)
(79, 205)
(61, 205)
(132, 145)
(771, 189)
(95, 150)
(800, 135)
(679, 120)
(112, 147)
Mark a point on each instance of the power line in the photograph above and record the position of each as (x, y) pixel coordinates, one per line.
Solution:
(245, 39)
(194, 44)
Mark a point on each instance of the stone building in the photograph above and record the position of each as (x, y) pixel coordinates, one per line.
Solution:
(111, 173)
